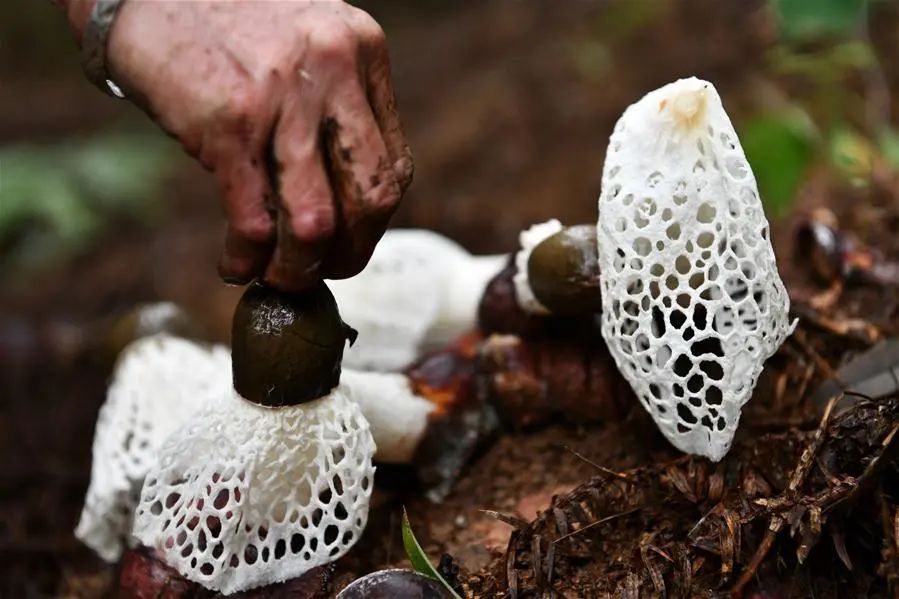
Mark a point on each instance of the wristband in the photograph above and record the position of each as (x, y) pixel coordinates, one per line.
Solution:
(93, 45)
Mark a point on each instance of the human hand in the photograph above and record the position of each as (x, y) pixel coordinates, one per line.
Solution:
(291, 105)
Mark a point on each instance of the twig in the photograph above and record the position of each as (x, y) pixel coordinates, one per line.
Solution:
(513, 521)
(776, 522)
(603, 469)
(800, 338)
(597, 523)
(511, 573)
(774, 526)
(808, 456)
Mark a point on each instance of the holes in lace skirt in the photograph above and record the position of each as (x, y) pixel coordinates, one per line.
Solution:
(673, 231)
(706, 213)
(280, 549)
(297, 542)
(685, 414)
(331, 534)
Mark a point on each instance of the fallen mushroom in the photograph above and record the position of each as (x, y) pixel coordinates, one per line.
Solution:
(269, 480)
(419, 291)
(692, 303)
(529, 239)
(563, 272)
(556, 270)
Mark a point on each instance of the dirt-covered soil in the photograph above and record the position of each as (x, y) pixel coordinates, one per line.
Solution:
(508, 106)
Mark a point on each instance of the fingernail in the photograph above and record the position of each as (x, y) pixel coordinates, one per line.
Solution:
(235, 281)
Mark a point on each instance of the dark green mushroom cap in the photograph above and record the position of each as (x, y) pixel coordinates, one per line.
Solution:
(286, 348)
(563, 271)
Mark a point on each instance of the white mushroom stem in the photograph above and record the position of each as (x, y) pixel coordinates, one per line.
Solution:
(458, 314)
(420, 290)
(528, 240)
(397, 416)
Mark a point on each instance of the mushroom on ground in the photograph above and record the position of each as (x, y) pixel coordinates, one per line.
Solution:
(419, 291)
(686, 282)
(692, 303)
(162, 381)
(267, 481)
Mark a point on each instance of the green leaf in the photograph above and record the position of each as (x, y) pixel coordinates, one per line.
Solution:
(803, 20)
(852, 155)
(779, 149)
(621, 20)
(56, 199)
(420, 561)
(888, 143)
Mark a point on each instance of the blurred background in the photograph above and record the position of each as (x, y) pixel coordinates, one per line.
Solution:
(508, 105)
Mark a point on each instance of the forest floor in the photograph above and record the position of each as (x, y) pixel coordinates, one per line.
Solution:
(506, 132)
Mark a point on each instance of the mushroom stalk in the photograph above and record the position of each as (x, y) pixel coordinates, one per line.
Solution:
(419, 291)
(397, 416)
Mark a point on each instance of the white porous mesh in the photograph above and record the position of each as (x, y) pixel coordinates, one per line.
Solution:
(244, 496)
(158, 382)
(692, 301)
(528, 240)
(419, 290)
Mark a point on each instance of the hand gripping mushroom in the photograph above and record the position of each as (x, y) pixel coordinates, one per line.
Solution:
(273, 478)
(692, 303)
(691, 300)
(162, 381)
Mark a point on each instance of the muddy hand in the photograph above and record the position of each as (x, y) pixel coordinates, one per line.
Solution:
(309, 80)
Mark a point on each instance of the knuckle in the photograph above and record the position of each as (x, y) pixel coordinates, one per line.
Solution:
(235, 271)
(336, 44)
(312, 225)
(242, 105)
(367, 27)
(254, 229)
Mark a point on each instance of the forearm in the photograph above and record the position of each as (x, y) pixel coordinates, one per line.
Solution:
(78, 12)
